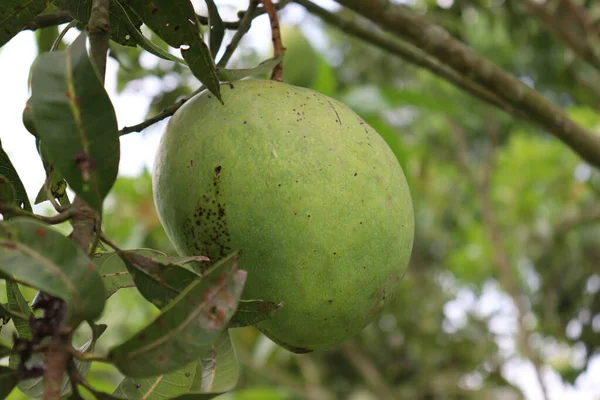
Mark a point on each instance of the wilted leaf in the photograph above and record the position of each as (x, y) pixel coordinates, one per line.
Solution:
(187, 326)
(41, 257)
(251, 312)
(10, 173)
(176, 23)
(75, 121)
(162, 387)
(15, 14)
(237, 74)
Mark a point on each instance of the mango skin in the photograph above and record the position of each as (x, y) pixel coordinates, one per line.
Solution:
(312, 196)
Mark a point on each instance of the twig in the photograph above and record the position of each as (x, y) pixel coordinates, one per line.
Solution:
(50, 220)
(367, 370)
(165, 113)
(563, 27)
(61, 35)
(411, 54)
(245, 23)
(47, 20)
(500, 253)
(63, 17)
(437, 42)
(278, 48)
(243, 28)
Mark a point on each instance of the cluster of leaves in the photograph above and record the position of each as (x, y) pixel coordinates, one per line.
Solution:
(185, 351)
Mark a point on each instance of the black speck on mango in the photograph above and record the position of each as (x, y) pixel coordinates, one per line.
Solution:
(335, 270)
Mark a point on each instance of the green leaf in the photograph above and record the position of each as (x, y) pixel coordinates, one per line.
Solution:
(28, 118)
(251, 312)
(15, 14)
(10, 173)
(237, 74)
(7, 193)
(162, 387)
(19, 309)
(39, 256)
(150, 268)
(75, 121)
(120, 14)
(217, 27)
(121, 29)
(217, 372)
(177, 24)
(5, 349)
(56, 182)
(8, 380)
(187, 326)
(158, 281)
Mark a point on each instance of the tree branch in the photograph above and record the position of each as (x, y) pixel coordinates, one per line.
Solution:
(410, 54)
(437, 42)
(499, 252)
(165, 113)
(564, 28)
(47, 20)
(278, 48)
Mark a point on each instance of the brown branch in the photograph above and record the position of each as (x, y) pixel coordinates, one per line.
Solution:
(564, 27)
(47, 20)
(500, 254)
(410, 54)
(278, 48)
(437, 42)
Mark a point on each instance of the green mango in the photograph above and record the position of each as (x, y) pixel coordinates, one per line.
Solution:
(310, 194)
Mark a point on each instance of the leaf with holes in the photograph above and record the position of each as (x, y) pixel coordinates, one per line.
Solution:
(76, 121)
(19, 309)
(251, 312)
(187, 326)
(12, 177)
(175, 21)
(217, 27)
(15, 14)
(120, 31)
(162, 387)
(217, 372)
(237, 74)
(42, 258)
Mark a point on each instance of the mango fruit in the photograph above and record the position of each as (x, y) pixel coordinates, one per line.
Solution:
(311, 196)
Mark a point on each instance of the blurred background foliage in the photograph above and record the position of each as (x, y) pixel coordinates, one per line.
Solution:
(505, 215)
